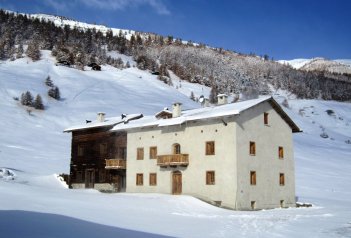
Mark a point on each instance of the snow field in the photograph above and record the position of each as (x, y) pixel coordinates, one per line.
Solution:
(34, 148)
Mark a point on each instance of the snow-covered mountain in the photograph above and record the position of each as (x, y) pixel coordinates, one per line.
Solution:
(320, 64)
(33, 149)
(63, 21)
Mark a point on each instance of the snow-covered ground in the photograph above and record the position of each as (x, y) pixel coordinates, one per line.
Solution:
(337, 66)
(33, 150)
(295, 63)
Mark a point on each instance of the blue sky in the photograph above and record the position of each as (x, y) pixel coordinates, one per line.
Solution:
(282, 29)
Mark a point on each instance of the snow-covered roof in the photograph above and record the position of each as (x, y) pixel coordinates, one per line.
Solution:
(108, 122)
(138, 120)
(206, 113)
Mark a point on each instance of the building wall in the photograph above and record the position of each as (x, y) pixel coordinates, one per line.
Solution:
(92, 157)
(267, 193)
(192, 138)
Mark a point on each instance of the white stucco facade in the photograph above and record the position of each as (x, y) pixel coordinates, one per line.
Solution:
(231, 163)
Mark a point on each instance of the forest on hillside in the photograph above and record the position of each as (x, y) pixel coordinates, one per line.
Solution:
(222, 70)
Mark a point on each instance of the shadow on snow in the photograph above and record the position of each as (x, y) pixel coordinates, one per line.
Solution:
(42, 225)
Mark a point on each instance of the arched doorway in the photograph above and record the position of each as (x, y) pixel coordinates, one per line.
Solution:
(176, 183)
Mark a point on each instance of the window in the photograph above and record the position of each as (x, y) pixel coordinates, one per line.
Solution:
(210, 177)
(139, 179)
(252, 148)
(281, 179)
(253, 177)
(80, 150)
(281, 152)
(140, 153)
(210, 148)
(153, 179)
(153, 152)
(253, 205)
(265, 118)
(176, 149)
(122, 153)
(103, 149)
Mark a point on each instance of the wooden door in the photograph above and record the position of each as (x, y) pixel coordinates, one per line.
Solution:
(89, 178)
(177, 182)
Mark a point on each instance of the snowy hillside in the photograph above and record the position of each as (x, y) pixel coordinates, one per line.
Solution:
(320, 64)
(295, 63)
(62, 21)
(33, 149)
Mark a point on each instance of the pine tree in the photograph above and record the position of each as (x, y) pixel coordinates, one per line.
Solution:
(27, 99)
(54, 93)
(33, 51)
(38, 103)
(48, 82)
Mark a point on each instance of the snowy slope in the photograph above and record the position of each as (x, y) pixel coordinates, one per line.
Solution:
(320, 64)
(61, 22)
(295, 63)
(34, 148)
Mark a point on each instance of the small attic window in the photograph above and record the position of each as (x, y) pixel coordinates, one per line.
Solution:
(265, 118)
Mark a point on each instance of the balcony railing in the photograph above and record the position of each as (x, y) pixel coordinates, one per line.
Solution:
(173, 160)
(116, 164)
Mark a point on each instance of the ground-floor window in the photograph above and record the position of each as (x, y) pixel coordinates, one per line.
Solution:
(139, 179)
(153, 179)
(210, 177)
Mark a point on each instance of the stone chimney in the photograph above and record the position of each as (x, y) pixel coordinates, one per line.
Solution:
(177, 109)
(222, 99)
(101, 117)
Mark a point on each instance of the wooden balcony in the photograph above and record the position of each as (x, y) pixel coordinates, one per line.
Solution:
(116, 164)
(173, 160)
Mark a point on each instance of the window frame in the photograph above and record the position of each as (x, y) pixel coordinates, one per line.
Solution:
(139, 179)
(210, 148)
(210, 177)
(176, 149)
(281, 152)
(281, 179)
(265, 118)
(153, 152)
(252, 148)
(140, 153)
(253, 178)
(152, 179)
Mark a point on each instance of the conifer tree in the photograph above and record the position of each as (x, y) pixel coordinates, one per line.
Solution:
(38, 103)
(54, 93)
(27, 99)
(48, 82)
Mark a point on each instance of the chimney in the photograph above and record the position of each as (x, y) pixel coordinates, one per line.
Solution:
(101, 117)
(177, 109)
(222, 99)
